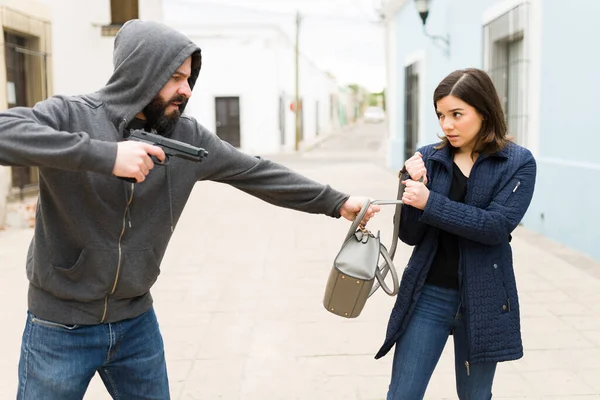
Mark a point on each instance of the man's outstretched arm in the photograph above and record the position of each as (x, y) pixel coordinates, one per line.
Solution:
(273, 182)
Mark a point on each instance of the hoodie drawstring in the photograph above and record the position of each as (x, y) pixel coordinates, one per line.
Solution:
(122, 126)
(168, 172)
(127, 202)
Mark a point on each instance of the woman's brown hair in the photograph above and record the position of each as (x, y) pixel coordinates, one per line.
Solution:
(474, 87)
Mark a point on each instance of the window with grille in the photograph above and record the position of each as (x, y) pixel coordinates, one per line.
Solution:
(507, 63)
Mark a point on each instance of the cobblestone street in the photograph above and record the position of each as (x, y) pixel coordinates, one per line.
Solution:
(239, 299)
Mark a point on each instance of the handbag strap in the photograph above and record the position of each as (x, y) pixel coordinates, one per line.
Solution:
(388, 256)
(368, 202)
(397, 214)
(380, 274)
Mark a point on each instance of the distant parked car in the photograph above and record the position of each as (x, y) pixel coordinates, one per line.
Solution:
(374, 115)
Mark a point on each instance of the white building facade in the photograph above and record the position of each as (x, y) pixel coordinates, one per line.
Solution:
(249, 74)
(246, 89)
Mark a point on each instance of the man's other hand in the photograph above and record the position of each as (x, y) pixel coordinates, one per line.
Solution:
(133, 159)
(352, 207)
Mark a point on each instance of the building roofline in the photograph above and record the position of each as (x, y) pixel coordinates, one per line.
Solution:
(236, 30)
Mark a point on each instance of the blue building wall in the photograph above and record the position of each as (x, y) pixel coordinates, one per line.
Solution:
(462, 20)
(566, 205)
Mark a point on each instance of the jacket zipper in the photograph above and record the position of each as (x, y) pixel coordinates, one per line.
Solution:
(463, 289)
(120, 254)
(466, 314)
(466, 320)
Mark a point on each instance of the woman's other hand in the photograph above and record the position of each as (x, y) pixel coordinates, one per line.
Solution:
(415, 166)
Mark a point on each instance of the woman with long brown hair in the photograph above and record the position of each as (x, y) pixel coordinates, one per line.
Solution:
(476, 187)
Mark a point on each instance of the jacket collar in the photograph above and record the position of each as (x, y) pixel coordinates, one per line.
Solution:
(445, 156)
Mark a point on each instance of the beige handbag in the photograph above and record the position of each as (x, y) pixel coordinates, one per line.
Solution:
(356, 273)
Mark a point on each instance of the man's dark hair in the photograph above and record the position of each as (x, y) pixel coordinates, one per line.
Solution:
(474, 87)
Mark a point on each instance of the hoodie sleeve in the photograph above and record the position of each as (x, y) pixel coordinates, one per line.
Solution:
(36, 137)
(269, 181)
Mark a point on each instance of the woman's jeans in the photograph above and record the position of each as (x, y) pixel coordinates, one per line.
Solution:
(418, 350)
(58, 361)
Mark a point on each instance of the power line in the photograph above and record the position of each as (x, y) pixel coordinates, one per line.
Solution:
(232, 6)
(328, 17)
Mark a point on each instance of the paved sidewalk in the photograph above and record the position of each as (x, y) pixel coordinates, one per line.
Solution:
(239, 300)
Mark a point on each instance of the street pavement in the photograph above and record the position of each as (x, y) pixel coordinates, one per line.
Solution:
(239, 299)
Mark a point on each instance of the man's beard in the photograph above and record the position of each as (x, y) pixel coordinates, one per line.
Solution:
(157, 119)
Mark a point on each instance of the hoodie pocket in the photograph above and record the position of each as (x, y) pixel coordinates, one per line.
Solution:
(88, 279)
(139, 271)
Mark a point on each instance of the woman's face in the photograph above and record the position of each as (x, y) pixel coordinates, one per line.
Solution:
(459, 121)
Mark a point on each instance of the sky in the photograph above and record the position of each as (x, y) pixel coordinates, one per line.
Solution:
(343, 37)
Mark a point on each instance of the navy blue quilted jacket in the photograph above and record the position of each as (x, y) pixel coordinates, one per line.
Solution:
(499, 190)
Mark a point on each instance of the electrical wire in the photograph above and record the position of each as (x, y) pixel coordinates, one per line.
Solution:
(328, 17)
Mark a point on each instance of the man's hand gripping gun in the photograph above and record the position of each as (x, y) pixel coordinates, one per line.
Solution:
(170, 147)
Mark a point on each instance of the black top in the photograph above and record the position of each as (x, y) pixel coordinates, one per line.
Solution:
(444, 270)
(137, 123)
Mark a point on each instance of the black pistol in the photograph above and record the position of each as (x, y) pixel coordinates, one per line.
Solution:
(170, 147)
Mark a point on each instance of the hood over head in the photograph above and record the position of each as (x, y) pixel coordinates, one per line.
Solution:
(146, 54)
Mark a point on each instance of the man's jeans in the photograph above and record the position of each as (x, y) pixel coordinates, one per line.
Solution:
(419, 349)
(58, 361)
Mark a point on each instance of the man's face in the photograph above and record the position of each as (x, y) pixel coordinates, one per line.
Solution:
(163, 112)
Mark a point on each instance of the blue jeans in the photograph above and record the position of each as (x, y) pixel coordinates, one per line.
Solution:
(58, 361)
(418, 350)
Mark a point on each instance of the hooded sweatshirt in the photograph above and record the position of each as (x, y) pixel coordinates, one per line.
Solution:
(98, 240)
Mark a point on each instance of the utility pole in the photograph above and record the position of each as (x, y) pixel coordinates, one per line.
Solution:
(297, 100)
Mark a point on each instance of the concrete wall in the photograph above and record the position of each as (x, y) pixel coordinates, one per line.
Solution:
(565, 206)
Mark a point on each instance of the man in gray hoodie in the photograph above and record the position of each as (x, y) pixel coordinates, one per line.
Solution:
(99, 240)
